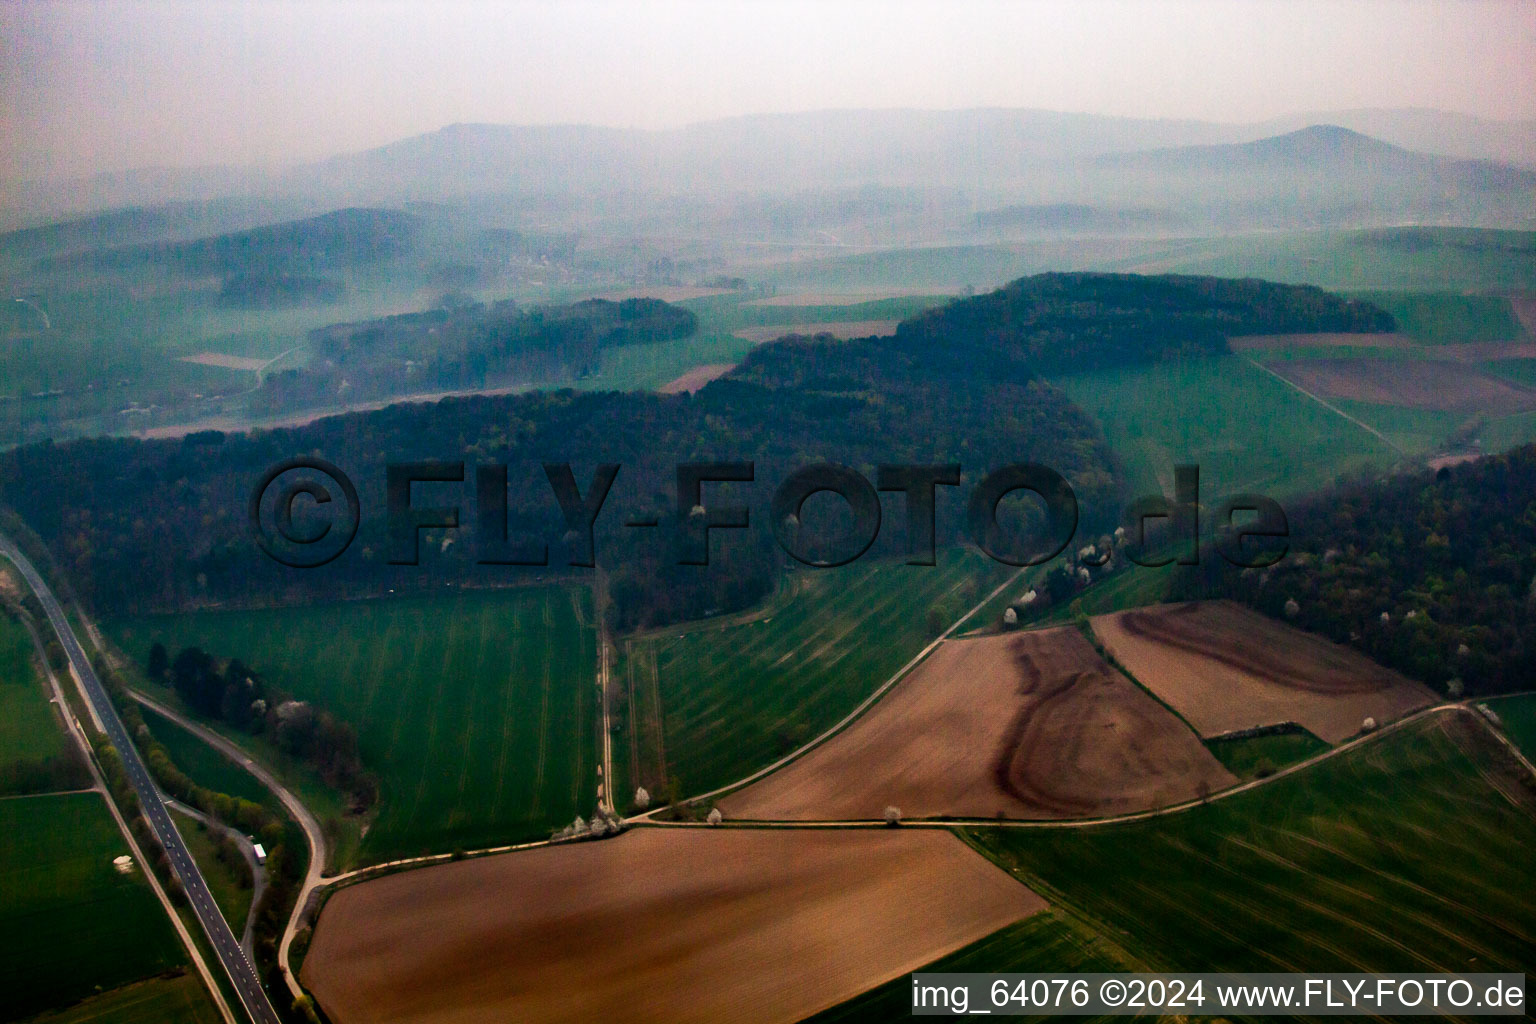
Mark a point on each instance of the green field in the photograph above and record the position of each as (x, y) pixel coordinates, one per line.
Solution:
(1049, 941)
(1246, 430)
(737, 696)
(205, 765)
(943, 268)
(1419, 431)
(1252, 757)
(475, 711)
(1521, 371)
(70, 925)
(212, 770)
(1416, 259)
(1397, 855)
(1447, 317)
(179, 999)
(29, 728)
(1518, 715)
(232, 897)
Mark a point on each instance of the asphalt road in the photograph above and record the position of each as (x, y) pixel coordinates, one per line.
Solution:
(224, 943)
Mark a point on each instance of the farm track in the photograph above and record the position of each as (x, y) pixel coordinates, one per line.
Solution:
(648, 818)
(1464, 707)
(1383, 438)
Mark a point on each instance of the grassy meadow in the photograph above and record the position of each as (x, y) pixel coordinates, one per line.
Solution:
(1246, 430)
(1252, 757)
(476, 711)
(1440, 318)
(29, 727)
(71, 925)
(232, 897)
(1518, 717)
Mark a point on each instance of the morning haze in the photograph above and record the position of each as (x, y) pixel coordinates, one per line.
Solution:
(514, 512)
(92, 88)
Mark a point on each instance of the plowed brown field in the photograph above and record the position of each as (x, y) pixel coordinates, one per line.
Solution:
(696, 378)
(1029, 725)
(1226, 668)
(1417, 383)
(660, 925)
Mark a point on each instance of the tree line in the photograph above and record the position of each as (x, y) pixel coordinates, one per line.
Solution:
(161, 525)
(463, 344)
(1432, 573)
(232, 693)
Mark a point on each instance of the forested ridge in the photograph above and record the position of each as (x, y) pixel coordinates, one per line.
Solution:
(466, 345)
(1433, 574)
(161, 525)
(1085, 321)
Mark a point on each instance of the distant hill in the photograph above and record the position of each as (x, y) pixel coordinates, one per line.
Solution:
(1427, 131)
(342, 238)
(994, 158)
(1327, 149)
(1319, 176)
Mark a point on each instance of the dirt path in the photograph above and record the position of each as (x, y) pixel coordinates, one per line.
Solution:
(1332, 408)
(1018, 725)
(853, 715)
(315, 878)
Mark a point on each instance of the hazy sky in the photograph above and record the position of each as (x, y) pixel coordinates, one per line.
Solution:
(109, 86)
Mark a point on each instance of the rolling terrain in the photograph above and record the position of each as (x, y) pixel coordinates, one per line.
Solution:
(1403, 853)
(1228, 669)
(820, 915)
(1021, 725)
(710, 704)
(475, 711)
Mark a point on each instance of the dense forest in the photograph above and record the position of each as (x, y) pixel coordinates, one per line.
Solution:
(1087, 321)
(464, 345)
(1433, 574)
(160, 525)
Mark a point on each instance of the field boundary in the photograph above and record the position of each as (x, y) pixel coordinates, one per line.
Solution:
(847, 719)
(1156, 812)
(1331, 407)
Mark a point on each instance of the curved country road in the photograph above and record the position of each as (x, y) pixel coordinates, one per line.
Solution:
(238, 966)
(315, 877)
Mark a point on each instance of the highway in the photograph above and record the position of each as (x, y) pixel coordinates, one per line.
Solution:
(224, 943)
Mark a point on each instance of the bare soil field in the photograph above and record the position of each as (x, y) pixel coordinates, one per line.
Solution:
(228, 362)
(1417, 383)
(1026, 725)
(1442, 461)
(696, 378)
(1484, 351)
(838, 329)
(1274, 342)
(664, 292)
(659, 925)
(1226, 668)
